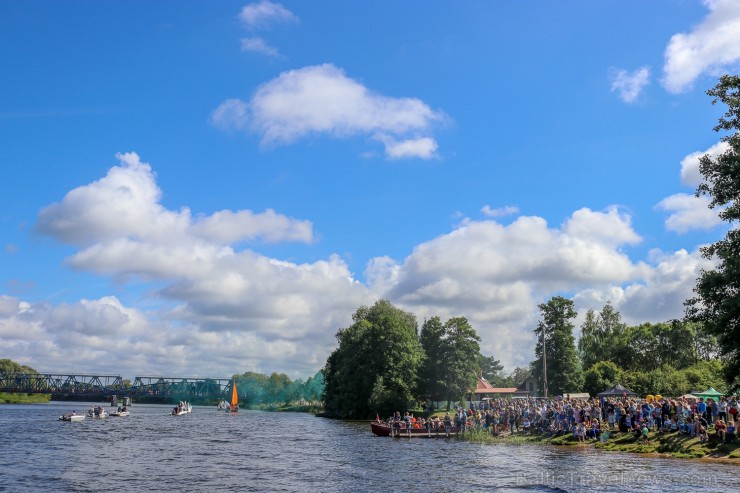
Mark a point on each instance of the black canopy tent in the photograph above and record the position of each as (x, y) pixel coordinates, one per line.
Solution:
(617, 391)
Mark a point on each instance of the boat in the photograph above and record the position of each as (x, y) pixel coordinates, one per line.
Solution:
(73, 416)
(234, 404)
(120, 412)
(383, 429)
(97, 412)
(183, 407)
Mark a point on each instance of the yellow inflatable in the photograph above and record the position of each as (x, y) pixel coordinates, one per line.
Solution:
(658, 397)
(650, 398)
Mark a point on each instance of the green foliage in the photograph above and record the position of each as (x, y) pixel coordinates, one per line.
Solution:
(601, 376)
(670, 381)
(10, 366)
(597, 333)
(451, 364)
(382, 342)
(564, 373)
(717, 301)
(490, 368)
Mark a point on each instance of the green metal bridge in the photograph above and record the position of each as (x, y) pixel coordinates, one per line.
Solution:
(114, 385)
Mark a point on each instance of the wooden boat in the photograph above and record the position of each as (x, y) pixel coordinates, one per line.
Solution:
(385, 430)
(73, 416)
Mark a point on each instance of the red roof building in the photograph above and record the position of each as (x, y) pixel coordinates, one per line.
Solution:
(485, 389)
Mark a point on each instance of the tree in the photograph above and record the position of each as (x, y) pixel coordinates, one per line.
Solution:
(451, 359)
(597, 335)
(378, 356)
(717, 301)
(601, 376)
(491, 369)
(461, 357)
(563, 367)
(10, 366)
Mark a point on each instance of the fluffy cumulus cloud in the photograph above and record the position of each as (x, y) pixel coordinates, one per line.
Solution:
(212, 309)
(323, 100)
(658, 296)
(124, 206)
(496, 275)
(263, 14)
(688, 212)
(216, 299)
(629, 85)
(711, 47)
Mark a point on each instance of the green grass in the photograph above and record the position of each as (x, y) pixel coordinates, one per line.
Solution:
(6, 398)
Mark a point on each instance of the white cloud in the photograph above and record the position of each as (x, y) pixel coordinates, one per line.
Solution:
(213, 310)
(323, 100)
(500, 212)
(688, 213)
(265, 13)
(690, 174)
(232, 114)
(712, 47)
(124, 206)
(658, 296)
(258, 45)
(424, 147)
(496, 275)
(629, 85)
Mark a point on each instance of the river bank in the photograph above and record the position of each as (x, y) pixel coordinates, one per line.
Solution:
(675, 444)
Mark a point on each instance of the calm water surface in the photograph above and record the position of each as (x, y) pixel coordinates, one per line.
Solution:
(209, 451)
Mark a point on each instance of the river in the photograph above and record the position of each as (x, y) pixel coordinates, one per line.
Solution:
(210, 451)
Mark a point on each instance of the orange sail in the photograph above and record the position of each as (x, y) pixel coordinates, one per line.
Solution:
(234, 397)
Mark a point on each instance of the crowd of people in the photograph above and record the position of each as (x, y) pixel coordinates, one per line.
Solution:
(586, 419)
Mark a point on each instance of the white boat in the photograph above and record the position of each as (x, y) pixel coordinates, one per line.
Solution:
(183, 407)
(120, 412)
(73, 416)
(97, 412)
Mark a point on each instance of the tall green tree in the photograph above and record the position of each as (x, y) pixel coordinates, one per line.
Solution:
(461, 357)
(597, 334)
(563, 366)
(717, 301)
(378, 356)
(431, 384)
(451, 364)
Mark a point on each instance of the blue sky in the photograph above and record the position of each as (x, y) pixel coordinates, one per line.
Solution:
(214, 187)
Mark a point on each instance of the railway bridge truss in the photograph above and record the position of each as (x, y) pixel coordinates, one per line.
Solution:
(114, 385)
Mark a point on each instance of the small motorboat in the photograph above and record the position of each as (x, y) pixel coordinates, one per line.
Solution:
(182, 408)
(97, 412)
(73, 416)
(120, 412)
